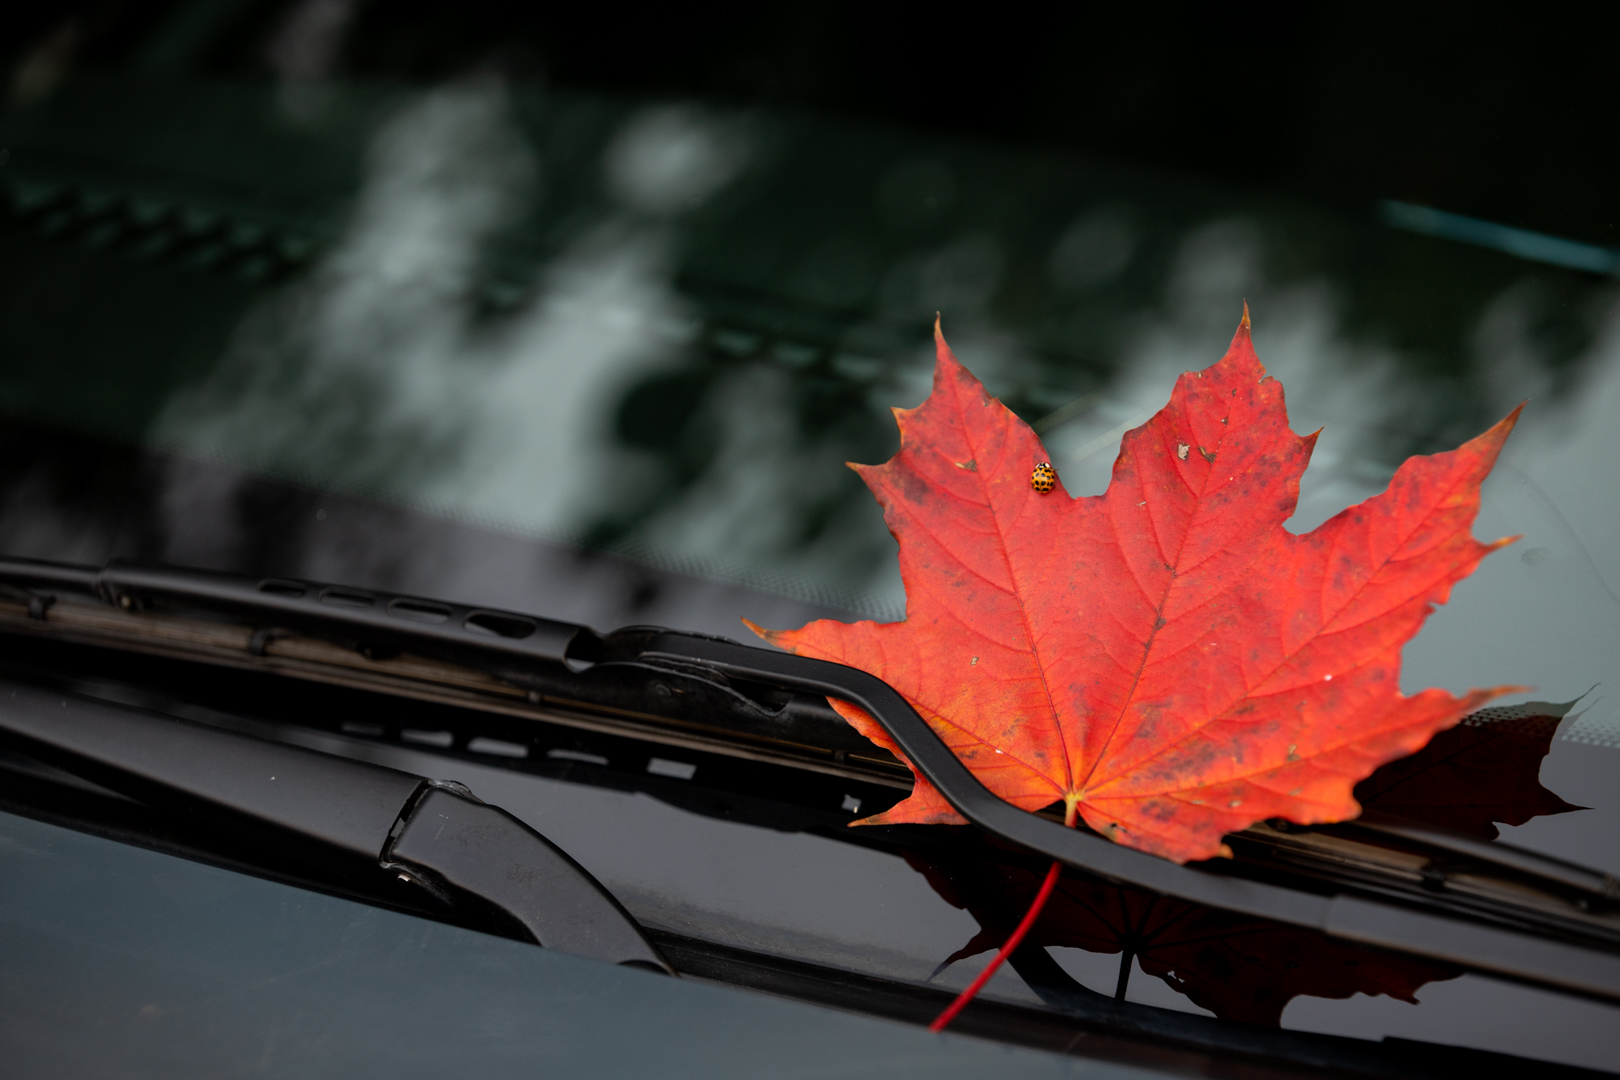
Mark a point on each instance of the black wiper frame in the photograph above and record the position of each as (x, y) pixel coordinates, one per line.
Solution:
(524, 651)
(379, 622)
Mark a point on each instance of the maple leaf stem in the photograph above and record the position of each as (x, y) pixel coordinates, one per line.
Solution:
(943, 1020)
(1127, 956)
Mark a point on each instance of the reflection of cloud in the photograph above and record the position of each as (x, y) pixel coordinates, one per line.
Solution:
(537, 454)
(959, 279)
(1512, 365)
(379, 374)
(1093, 250)
(1567, 454)
(44, 66)
(1216, 265)
(1549, 621)
(308, 43)
(742, 520)
(670, 159)
(304, 52)
(1330, 382)
(350, 378)
(376, 376)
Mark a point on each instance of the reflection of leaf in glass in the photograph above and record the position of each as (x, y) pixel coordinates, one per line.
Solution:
(1236, 966)
(1487, 769)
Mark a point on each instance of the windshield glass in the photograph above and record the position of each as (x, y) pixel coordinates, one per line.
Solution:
(289, 288)
(318, 986)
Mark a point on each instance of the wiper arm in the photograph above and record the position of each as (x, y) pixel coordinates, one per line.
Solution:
(1587, 968)
(430, 834)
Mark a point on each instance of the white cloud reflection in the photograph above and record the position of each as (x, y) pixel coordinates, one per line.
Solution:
(377, 376)
(672, 158)
(1344, 388)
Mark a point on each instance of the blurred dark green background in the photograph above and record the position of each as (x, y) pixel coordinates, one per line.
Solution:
(643, 280)
(1504, 114)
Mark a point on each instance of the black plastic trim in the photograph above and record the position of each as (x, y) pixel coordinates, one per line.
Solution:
(375, 820)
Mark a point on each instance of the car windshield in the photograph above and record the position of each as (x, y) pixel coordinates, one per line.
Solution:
(307, 289)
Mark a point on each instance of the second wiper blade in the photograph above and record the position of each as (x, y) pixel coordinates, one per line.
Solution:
(377, 620)
(561, 665)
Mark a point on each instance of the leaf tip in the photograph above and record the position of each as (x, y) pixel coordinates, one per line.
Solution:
(942, 351)
(768, 635)
(1241, 350)
(1504, 427)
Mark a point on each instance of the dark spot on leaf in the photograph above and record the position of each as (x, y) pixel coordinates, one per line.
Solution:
(970, 465)
(1207, 455)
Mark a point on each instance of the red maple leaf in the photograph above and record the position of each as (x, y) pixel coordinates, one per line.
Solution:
(1165, 659)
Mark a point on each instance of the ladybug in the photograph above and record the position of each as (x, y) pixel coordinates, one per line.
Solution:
(1043, 479)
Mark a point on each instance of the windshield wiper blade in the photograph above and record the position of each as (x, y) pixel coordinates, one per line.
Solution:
(1587, 969)
(1594, 886)
(426, 833)
(376, 620)
(561, 665)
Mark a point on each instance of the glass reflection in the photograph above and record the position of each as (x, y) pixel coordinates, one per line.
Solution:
(662, 329)
(377, 375)
(1236, 967)
(1481, 773)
